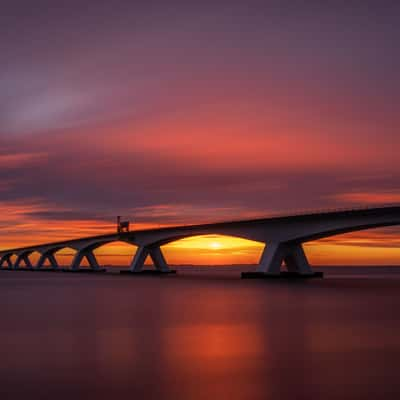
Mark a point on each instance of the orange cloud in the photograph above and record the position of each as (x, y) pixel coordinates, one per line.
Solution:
(369, 197)
(20, 159)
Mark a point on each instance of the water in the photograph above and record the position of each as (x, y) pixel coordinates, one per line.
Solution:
(202, 334)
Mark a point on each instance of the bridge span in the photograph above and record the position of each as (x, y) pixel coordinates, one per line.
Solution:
(283, 237)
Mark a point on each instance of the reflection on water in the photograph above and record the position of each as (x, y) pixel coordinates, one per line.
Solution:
(199, 336)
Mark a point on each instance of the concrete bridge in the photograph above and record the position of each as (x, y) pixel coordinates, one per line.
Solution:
(283, 237)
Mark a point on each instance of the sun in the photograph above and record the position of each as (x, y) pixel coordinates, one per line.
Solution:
(215, 245)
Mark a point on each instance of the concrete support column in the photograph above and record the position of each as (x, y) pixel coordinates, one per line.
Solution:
(80, 255)
(158, 259)
(156, 255)
(296, 260)
(139, 258)
(293, 255)
(50, 257)
(25, 258)
(6, 258)
(271, 259)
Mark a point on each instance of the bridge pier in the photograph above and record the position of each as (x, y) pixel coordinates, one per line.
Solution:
(275, 254)
(159, 260)
(6, 258)
(47, 256)
(155, 253)
(91, 258)
(25, 258)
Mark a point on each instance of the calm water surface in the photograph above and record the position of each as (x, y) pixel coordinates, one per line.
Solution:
(200, 335)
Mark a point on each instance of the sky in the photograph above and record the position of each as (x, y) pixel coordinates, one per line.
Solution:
(171, 112)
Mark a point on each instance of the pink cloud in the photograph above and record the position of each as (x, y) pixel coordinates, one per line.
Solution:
(368, 198)
(20, 159)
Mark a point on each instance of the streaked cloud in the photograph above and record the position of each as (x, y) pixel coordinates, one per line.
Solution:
(368, 198)
(19, 160)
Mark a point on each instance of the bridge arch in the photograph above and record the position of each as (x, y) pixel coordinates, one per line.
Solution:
(212, 249)
(23, 259)
(13, 258)
(156, 248)
(122, 255)
(52, 256)
(171, 238)
(34, 257)
(94, 245)
(86, 256)
(7, 260)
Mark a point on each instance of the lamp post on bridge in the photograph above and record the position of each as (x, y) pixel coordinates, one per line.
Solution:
(122, 226)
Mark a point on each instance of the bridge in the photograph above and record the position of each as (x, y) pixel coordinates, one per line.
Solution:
(283, 237)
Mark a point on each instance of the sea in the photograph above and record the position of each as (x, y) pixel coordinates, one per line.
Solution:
(203, 333)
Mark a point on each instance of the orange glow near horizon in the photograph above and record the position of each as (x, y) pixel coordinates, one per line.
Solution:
(366, 248)
(225, 250)
(370, 198)
(20, 228)
(213, 250)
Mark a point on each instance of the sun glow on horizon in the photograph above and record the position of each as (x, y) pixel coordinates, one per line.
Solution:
(215, 242)
(215, 245)
(371, 247)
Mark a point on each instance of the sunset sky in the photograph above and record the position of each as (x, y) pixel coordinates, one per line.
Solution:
(171, 112)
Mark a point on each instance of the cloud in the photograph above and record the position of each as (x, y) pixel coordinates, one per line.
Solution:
(374, 238)
(26, 222)
(369, 198)
(20, 160)
(82, 171)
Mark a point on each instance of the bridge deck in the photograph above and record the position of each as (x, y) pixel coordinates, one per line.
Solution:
(301, 216)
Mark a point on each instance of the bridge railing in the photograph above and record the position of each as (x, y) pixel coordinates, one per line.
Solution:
(302, 212)
(334, 209)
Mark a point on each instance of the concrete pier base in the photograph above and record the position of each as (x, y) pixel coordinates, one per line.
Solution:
(281, 275)
(32, 269)
(47, 270)
(85, 270)
(150, 272)
(18, 269)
